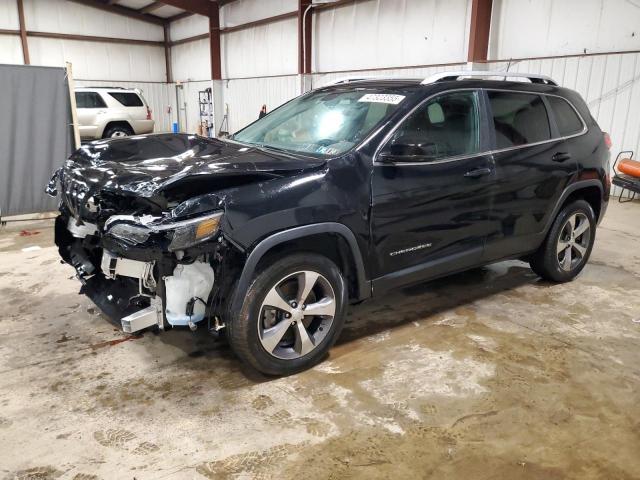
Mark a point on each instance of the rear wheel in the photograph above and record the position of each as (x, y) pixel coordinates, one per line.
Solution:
(292, 314)
(118, 131)
(568, 245)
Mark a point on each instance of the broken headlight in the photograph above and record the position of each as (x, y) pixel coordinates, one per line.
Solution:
(187, 233)
(130, 233)
(182, 234)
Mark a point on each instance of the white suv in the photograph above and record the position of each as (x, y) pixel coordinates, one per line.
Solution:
(109, 112)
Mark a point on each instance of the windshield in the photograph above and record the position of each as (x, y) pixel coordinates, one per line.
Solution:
(322, 123)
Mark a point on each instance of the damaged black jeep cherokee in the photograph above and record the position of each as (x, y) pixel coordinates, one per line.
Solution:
(339, 195)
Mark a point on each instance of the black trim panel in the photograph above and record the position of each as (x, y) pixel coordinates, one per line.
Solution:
(427, 271)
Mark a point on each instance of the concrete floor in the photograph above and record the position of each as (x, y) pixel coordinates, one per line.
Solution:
(488, 374)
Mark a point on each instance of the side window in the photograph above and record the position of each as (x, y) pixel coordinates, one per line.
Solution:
(518, 118)
(127, 99)
(567, 119)
(89, 100)
(445, 126)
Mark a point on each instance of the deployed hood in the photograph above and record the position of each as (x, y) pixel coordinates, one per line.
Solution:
(149, 165)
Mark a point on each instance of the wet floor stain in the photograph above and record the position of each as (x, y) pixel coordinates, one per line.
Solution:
(487, 374)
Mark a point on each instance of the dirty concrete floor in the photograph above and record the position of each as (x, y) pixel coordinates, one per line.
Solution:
(488, 374)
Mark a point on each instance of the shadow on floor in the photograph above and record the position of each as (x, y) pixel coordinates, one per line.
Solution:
(418, 302)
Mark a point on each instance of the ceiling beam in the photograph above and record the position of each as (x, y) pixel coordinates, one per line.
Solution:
(91, 38)
(120, 10)
(151, 7)
(201, 7)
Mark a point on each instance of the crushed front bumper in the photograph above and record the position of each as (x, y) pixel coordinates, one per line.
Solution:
(129, 285)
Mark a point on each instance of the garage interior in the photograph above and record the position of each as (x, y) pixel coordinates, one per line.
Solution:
(490, 373)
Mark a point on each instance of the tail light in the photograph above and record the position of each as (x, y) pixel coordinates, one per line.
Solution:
(607, 140)
(149, 114)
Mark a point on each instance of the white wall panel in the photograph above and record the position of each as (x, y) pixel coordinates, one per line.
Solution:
(62, 16)
(389, 33)
(191, 61)
(265, 50)
(9, 15)
(535, 28)
(11, 49)
(245, 11)
(245, 97)
(190, 26)
(159, 97)
(100, 61)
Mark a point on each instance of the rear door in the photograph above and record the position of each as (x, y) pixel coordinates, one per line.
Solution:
(534, 164)
(431, 191)
(134, 107)
(90, 106)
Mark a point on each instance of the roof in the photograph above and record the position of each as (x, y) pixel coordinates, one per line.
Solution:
(93, 89)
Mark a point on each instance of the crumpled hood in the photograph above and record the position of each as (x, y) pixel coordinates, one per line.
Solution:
(148, 165)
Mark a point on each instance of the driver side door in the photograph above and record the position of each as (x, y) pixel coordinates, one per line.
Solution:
(432, 191)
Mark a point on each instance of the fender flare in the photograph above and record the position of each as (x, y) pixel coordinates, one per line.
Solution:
(574, 187)
(364, 285)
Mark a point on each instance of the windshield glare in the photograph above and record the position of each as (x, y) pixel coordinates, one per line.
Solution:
(322, 123)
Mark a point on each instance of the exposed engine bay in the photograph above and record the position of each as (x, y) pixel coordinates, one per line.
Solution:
(143, 222)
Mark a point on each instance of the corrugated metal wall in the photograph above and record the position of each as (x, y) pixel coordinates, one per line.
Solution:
(265, 50)
(384, 33)
(541, 28)
(91, 60)
(245, 97)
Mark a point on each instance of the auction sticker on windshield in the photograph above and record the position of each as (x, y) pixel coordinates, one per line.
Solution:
(382, 98)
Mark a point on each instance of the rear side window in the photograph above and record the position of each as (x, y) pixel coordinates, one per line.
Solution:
(127, 99)
(89, 100)
(567, 119)
(518, 118)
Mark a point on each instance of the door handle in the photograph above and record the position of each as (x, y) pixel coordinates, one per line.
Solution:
(561, 157)
(478, 172)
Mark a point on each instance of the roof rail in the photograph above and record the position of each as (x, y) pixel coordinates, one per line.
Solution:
(344, 80)
(448, 76)
(103, 86)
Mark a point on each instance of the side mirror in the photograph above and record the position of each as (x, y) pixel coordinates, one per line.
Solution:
(405, 149)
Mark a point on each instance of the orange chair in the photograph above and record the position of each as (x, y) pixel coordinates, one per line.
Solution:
(626, 175)
(630, 167)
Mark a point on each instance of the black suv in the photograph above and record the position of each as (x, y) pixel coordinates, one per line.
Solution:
(337, 196)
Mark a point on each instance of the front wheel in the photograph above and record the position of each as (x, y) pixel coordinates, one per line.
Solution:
(291, 315)
(568, 245)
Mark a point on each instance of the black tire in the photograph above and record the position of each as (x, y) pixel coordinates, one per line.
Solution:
(122, 130)
(546, 261)
(243, 329)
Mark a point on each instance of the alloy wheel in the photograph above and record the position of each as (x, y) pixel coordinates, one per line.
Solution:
(573, 241)
(118, 134)
(296, 315)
